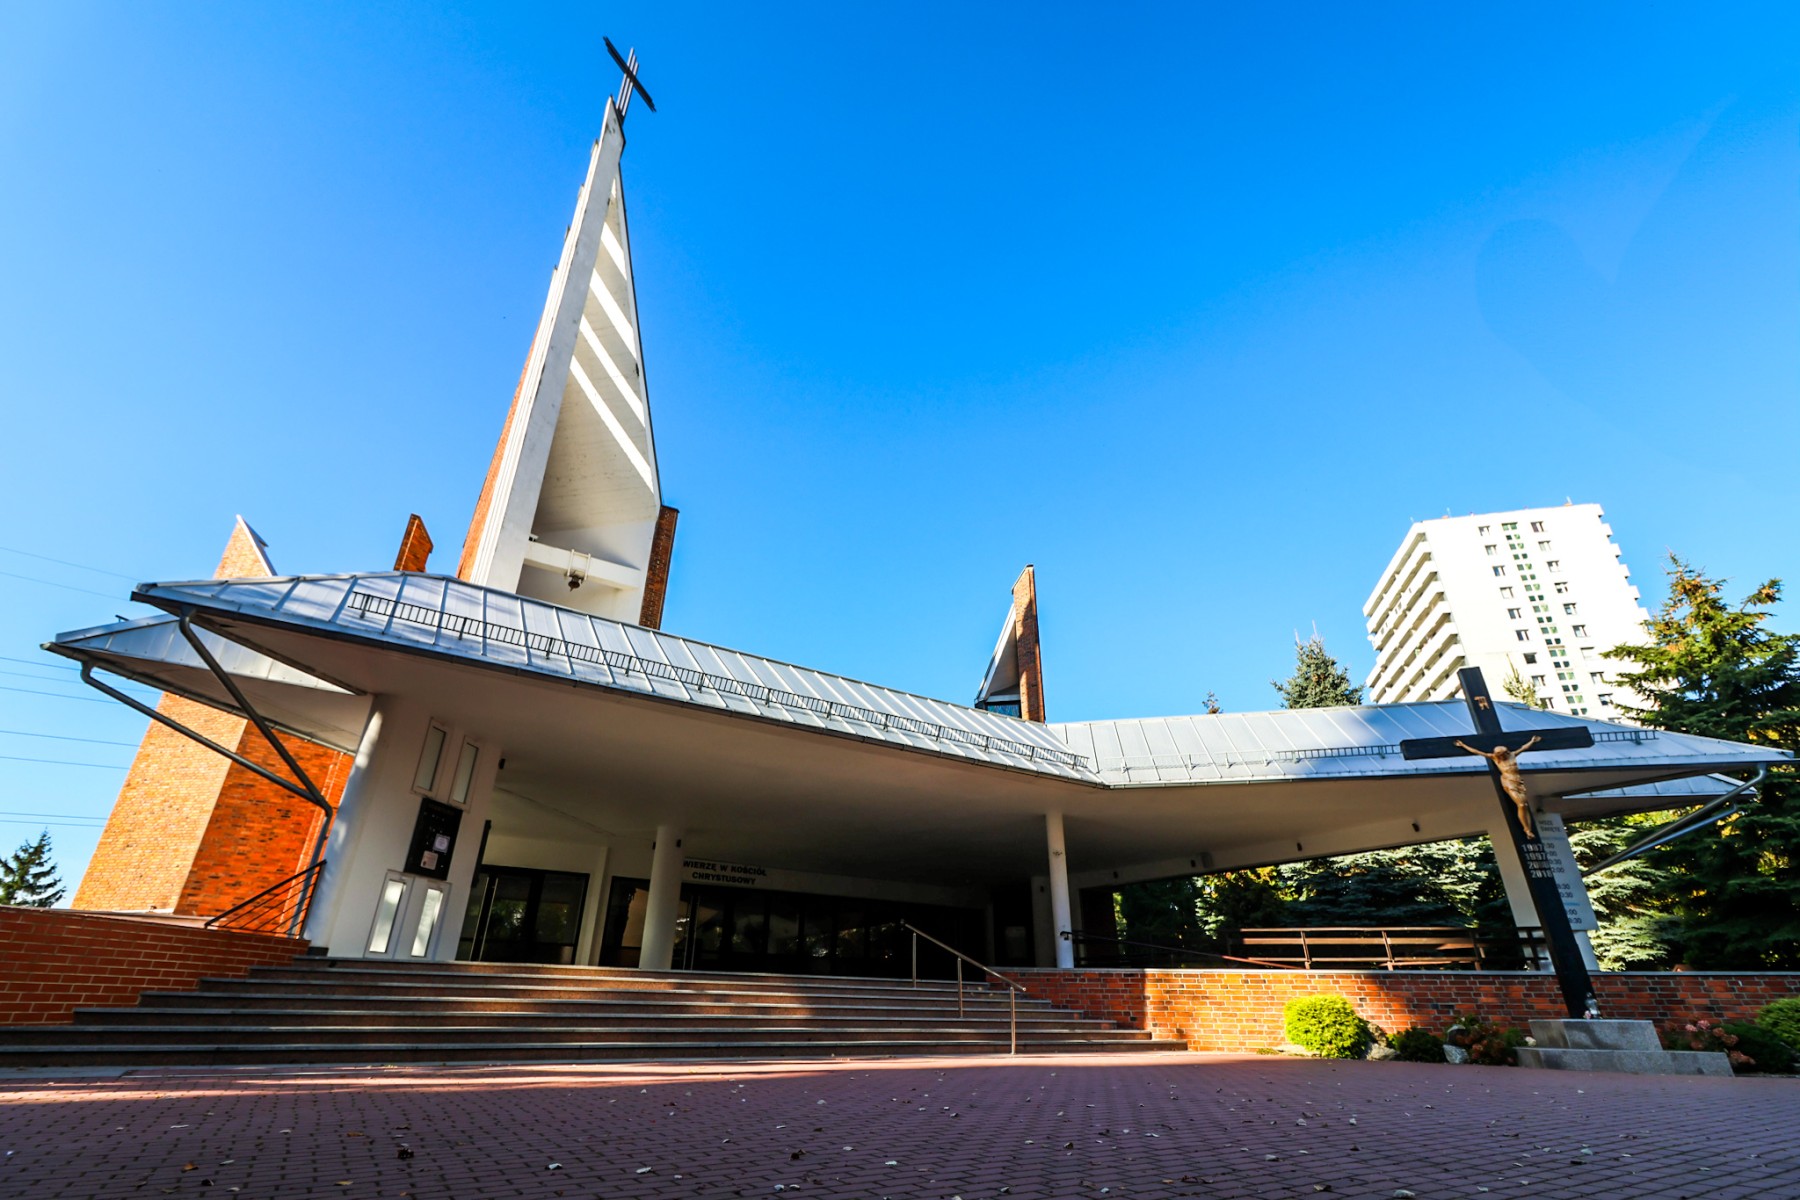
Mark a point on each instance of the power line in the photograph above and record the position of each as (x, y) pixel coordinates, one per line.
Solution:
(51, 816)
(56, 824)
(63, 737)
(55, 695)
(52, 583)
(35, 662)
(63, 562)
(67, 762)
(39, 678)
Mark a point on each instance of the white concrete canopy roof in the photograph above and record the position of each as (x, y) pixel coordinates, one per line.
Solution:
(152, 651)
(768, 762)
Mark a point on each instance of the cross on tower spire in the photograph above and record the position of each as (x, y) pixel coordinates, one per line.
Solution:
(628, 64)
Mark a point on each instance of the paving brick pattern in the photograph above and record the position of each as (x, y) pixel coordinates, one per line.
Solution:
(1036, 1129)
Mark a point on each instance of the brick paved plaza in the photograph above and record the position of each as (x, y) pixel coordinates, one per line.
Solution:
(1115, 1126)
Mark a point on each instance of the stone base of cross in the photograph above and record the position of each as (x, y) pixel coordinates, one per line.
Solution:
(1501, 750)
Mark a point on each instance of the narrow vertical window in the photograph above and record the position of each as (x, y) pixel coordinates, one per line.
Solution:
(425, 778)
(465, 772)
(386, 914)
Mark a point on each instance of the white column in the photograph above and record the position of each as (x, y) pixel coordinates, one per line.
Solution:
(1518, 891)
(660, 908)
(341, 844)
(594, 911)
(1059, 890)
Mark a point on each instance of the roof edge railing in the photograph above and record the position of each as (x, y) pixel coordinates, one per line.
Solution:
(368, 603)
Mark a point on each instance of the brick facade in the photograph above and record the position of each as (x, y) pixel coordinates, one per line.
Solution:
(147, 848)
(656, 578)
(415, 546)
(1242, 1010)
(1025, 642)
(259, 834)
(53, 960)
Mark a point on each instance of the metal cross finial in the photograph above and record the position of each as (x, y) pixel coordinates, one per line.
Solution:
(628, 64)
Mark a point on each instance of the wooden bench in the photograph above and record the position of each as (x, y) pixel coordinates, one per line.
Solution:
(1356, 947)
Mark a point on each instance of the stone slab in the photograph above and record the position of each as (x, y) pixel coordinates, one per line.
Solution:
(1629, 1062)
(1567, 1034)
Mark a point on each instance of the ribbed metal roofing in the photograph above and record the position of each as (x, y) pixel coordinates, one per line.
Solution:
(448, 616)
(158, 640)
(1317, 743)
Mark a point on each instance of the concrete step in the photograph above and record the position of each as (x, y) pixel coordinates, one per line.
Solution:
(326, 1010)
(588, 1014)
(1626, 1062)
(350, 985)
(216, 1054)
(595, 1002)
(336, 974)
(623, 974)
(456, 1033)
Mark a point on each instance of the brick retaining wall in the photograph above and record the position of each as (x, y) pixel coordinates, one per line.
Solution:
(1241, 1010)
(53, 960)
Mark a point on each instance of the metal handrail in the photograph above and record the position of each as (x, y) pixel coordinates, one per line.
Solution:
(1392, 939)
(1013, 987)
(265, 902)
(1073, 937)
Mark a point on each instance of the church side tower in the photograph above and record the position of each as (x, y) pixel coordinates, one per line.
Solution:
(193, 832)
(571, 511)
(1014, 682)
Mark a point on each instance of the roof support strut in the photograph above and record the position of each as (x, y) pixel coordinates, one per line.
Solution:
(301, 785)
(1713, 810)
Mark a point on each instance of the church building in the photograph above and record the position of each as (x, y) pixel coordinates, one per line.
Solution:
(515, 762)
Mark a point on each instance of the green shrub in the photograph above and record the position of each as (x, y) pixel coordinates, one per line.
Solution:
(1782, 1019)
(1418, 1045)
(1488, 1044)
(1767, 1053)
(1327, 1025)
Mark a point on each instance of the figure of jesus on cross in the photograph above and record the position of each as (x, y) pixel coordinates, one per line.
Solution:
(1502, 751)
(1512, 782)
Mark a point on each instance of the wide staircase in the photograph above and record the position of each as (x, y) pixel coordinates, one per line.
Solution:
(324, 1010)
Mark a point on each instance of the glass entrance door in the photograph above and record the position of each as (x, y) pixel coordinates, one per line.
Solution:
(522, 915)
(744, 929)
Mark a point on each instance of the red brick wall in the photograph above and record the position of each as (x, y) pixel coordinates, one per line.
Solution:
(1241, 1010)
(260, 834)
(148, 845)
(415, 546)
(53, 960)
(656, 574)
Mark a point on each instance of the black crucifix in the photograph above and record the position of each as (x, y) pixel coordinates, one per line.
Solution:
(1502, 750)
(628, 64)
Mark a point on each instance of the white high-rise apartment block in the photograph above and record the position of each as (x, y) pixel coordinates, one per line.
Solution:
(1539, 591)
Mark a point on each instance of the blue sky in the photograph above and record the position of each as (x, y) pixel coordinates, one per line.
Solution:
(1194, 307)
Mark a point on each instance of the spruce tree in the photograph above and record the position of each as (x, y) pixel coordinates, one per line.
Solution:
(1715, 669)
(1520, 689)
(1632, 900)
(1319, 680)
(29, 877)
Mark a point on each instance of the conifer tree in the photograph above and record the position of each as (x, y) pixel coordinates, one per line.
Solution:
(1520, 689)
(1714, 669)
(29, 877)
(1319, 680)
